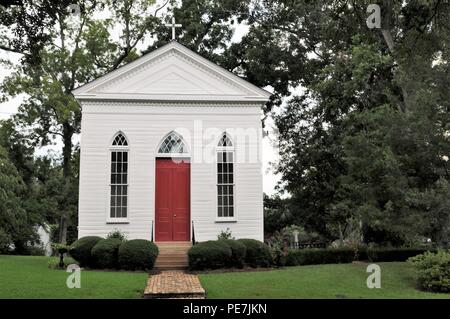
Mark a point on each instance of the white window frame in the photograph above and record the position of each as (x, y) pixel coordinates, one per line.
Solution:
(228, 149)
(111, 149)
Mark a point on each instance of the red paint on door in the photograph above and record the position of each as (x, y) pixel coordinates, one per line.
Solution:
(172, 200)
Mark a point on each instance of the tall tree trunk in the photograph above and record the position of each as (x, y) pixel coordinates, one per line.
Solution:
(67, 174)
(386, 31)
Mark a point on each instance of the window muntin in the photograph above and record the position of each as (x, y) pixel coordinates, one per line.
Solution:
(225, 178)
(118, 207)
(172, 144)
(119, 184)
(120, 140)
(225, 141)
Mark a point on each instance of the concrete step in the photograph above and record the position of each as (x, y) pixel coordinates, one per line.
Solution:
(172, 255)
(173, 252)
(173, 261)
(171, 264)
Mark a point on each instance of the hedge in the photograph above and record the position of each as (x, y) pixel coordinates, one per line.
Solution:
(81, 250)
(296, 257)
(257, 253)
(209, 255)
(137, 254)
(238, 252)
(106, 253)
(393, 254)
(317, 256)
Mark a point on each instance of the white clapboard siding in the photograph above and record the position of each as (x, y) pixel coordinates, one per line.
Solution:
(144, 129)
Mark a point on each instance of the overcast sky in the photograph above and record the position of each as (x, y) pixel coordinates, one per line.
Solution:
(270, 153)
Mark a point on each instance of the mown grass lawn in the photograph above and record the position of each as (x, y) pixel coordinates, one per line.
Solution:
(318, 281)
(30, 277)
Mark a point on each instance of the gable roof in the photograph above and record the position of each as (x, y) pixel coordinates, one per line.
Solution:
(171, 73)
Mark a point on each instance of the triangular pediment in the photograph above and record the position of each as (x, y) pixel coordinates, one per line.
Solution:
(172, 72)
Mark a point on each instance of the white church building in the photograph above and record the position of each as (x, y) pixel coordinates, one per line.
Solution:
(171, 147)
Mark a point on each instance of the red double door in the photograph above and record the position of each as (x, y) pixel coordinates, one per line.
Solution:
(172, 200)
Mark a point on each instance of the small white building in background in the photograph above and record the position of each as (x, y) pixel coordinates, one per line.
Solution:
(45, 240)
(171, 143)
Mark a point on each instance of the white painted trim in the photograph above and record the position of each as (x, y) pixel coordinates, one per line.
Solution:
(225, 220)
(168, 97)
(110, 149)
(118, 220)
(231, 149)
(119, 146)
(202, 103)
(173, 155)
(255, 93)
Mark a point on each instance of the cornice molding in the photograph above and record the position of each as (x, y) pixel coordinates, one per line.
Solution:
(101, 102)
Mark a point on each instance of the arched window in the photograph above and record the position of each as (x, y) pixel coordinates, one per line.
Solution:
(119, 177)
(173, 144)
(225, 141)
(120, 140)
(225, 177)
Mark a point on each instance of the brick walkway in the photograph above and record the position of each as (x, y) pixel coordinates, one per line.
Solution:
(174, 284)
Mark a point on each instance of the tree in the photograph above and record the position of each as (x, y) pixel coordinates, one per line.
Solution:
(44, 192)
(207, 27)
(24, 26)
(74, 50)
(277, 214)
(77, 50)
(16, 226)
(435, 202)
(52, 194)
(19, 149)
(370, 127)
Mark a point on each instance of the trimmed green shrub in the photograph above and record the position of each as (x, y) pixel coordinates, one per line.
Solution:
(238, 252)
(106, 253)
(211, 254)
(81, 250)
(433, 270)
(257, 253)
(393, 254)
(316, 256)
(137, 254)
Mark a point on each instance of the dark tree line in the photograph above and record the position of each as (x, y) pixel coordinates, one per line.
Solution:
(364, 146)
